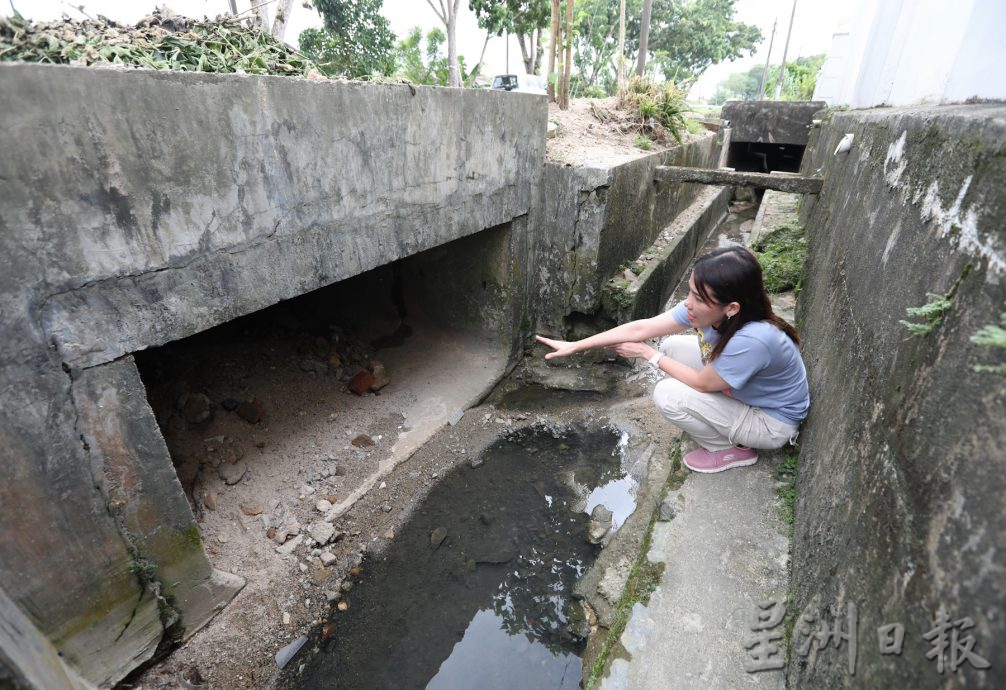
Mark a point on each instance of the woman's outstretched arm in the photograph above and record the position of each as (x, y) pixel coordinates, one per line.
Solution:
(632, 332)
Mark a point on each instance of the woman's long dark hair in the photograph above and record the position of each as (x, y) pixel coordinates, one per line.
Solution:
(733, 274)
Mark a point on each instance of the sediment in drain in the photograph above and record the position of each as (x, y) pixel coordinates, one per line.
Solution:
(490, 603)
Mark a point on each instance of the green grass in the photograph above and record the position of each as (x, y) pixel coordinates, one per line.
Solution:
(785, 473)
(782, 254)
(643, 142)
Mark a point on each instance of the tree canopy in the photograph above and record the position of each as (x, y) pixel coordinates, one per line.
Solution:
(687, 36)
(525, 19)
(798, 84)
(429, 66)
(357, 40)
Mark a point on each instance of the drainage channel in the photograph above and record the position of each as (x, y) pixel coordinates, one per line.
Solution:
(475, 589)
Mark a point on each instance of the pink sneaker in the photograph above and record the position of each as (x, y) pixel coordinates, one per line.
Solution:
(709, 461)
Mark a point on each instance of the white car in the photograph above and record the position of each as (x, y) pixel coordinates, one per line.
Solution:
(522, 83)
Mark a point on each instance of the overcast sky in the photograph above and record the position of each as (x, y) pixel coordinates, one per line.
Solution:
(813, 27)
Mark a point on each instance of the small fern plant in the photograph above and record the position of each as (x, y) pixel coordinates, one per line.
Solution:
(929, 315)
(992, 336)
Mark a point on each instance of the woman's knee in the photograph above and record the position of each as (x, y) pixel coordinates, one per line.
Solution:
(669, 395)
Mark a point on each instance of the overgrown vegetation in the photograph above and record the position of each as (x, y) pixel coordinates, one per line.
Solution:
(785, 474)
(643, 142)
(798, 83)
(992, 336)
(224, 44)
(659, 107)
(782, 254)
(928, 315)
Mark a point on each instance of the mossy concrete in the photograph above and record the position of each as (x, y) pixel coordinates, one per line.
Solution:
(902, 469)
(586, 222)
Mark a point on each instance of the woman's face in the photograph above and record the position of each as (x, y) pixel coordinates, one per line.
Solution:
(705, 314)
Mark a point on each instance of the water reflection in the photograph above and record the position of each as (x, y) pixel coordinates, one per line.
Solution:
(491, 606)
(517, 661)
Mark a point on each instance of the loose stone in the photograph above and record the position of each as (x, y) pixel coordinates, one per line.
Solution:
(362, 441)
(600, 524)
(232, 474)
(321, 532)
(361, 383)
(252, 509)
(437, 537)
(285, 655)
(251, 411)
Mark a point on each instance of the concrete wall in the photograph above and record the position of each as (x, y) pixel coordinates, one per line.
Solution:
(901, 52)
(140, 207)
(587, 221)
(902, 468)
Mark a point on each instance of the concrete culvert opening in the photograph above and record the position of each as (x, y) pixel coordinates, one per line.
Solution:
(277, 422)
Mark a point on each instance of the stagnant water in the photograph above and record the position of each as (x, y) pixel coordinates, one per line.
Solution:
(490, 607)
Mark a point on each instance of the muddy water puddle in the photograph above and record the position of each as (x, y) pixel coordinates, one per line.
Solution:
(475, 590)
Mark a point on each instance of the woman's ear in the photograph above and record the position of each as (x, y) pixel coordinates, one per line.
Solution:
(733, 309)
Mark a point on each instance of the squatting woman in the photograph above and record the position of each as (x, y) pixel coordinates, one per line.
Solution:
(736, 386)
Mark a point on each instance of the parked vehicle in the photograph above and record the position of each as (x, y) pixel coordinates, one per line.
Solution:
(522, 83)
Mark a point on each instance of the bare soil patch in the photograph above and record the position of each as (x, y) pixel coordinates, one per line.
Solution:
(596, 132)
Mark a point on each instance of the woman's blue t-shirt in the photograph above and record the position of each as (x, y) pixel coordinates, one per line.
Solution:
(762, 366)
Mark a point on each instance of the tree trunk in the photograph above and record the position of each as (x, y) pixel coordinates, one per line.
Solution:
(281, 18)
(568, 63)
(620, 58)
(448, 14)
(234, 7)
(644, 37)
(538, 52)
(552, 48)
(524, 54)
(261, 12)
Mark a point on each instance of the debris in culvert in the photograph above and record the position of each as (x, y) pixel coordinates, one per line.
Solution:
(362, 441)
(251, 410)
(437, 537)
(232, 474)
(361, 383)
(286, 654)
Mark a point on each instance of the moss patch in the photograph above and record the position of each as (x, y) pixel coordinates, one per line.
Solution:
(785, 474)
(782, 254)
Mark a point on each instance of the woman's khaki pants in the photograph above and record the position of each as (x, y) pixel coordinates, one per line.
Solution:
(715, 420)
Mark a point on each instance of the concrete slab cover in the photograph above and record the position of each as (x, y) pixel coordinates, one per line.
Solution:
(771, 122)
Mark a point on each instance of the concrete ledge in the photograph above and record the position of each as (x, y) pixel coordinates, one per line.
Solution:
(782, 182)
(776, 210)
(673, 253)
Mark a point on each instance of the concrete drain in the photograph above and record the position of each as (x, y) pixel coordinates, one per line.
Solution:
(475, 590)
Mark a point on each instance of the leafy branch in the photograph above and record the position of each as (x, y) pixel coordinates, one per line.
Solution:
(992, 336)
(930, 314)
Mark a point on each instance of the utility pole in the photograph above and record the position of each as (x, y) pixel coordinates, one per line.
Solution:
(764, 74)
(782, 68)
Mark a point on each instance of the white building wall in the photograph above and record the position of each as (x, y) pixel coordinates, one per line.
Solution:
(903, 52)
